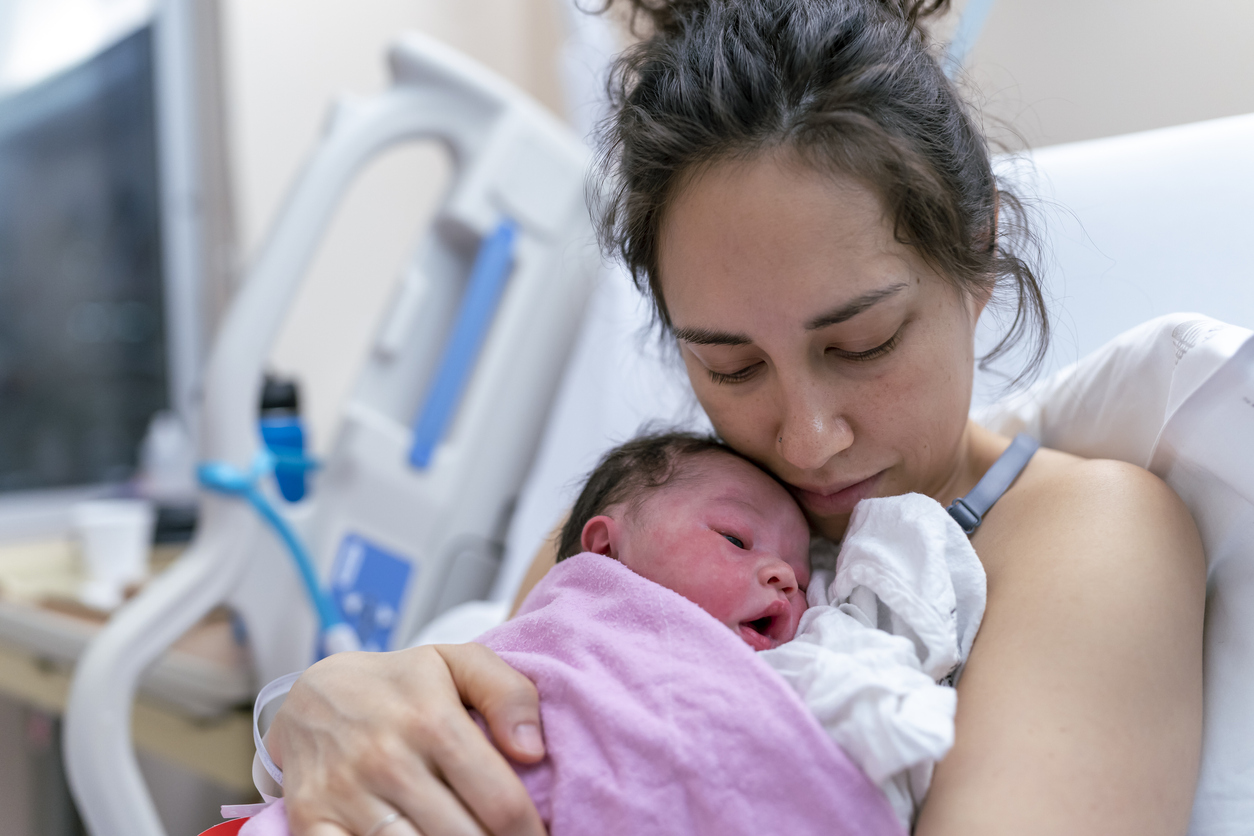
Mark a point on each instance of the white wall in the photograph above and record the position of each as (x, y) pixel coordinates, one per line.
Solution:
(1067, 70)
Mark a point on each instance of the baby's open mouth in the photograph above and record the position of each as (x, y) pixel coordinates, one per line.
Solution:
(766, 631)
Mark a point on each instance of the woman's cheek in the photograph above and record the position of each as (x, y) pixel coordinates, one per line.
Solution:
(742, 414)
(743, 423)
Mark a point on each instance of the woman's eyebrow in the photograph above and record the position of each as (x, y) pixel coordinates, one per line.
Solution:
(707, 336)
(851, 309)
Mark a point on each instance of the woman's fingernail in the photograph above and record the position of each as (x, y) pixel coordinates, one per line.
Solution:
(527, 739)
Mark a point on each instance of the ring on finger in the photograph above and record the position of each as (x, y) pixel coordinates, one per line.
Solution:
(379, 826)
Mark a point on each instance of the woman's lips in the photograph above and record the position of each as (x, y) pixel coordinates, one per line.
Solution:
(833, 501)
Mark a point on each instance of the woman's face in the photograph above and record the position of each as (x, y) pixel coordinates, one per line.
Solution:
(819, 346)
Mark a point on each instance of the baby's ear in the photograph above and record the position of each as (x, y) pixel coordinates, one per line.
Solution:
(600, 535)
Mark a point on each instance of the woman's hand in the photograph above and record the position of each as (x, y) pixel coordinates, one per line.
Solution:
(363, 735)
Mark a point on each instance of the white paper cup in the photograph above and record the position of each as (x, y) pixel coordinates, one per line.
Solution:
(115, 538)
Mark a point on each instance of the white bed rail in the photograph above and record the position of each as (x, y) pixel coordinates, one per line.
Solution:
(437, 94)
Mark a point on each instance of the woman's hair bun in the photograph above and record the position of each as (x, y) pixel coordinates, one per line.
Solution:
(915, 10)
(668, 15)
(661, 15)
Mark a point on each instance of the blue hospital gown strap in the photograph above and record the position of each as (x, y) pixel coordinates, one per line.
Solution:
(969, 511)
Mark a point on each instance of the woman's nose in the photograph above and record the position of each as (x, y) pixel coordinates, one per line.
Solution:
(812, 430)
(778, 574)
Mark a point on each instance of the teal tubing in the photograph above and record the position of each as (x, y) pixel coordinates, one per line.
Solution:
(227, 479)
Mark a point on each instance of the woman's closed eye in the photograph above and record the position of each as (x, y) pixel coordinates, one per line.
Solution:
(871, 353)
(743, 374)
(738, 376)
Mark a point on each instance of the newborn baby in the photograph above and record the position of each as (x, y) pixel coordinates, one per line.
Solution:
(692, 515)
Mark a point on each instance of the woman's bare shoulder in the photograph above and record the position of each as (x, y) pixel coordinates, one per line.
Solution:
(1108, 512)
(1085, 679)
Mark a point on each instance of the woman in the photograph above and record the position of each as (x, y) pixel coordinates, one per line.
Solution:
(811, 208)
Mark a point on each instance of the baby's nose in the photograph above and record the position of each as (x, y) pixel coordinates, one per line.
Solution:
(780, 575)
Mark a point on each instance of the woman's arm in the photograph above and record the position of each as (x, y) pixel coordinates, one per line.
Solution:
(1080, 710)
(363, 734)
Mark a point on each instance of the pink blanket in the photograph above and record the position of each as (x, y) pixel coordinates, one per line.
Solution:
(660, 720)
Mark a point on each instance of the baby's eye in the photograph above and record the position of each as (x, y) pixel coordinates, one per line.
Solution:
(735, 541)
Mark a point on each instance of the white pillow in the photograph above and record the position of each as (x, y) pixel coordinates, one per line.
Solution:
(1176, 395)
(1134, 227)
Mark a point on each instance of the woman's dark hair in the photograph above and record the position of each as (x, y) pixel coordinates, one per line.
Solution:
(625, 475)
(850, 86)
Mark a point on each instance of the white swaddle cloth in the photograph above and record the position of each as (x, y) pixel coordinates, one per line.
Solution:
(885, 636)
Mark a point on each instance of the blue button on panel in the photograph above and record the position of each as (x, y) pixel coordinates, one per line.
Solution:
(368, 585)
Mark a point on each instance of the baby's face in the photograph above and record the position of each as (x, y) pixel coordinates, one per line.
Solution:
(728, 538)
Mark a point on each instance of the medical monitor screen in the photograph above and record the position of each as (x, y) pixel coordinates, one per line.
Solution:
(82, 334)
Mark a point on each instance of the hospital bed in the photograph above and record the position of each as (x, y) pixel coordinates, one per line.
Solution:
(1139, 226)
(408, 509)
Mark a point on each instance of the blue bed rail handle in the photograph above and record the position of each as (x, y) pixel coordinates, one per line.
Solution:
(483, 293)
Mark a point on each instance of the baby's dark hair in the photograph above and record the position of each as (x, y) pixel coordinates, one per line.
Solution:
(628, 472)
